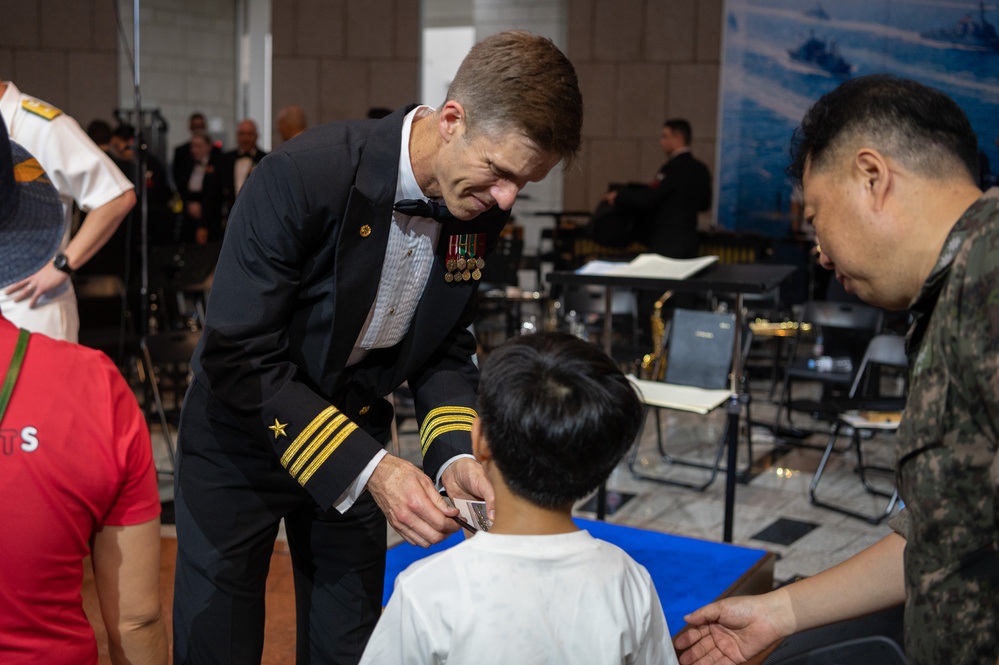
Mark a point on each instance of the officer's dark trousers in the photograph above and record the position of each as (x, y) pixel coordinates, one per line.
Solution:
(229, 500)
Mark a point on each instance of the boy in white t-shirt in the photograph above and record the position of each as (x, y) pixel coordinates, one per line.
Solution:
(555, 415)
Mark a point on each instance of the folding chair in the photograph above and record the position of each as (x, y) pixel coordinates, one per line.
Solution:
(181, 277)
(105, 319)
(846, 329)
(500, 296)
(698, 365)
(867, 411)
(166, 360)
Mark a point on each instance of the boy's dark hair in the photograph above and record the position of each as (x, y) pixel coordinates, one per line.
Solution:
(681, 127)
(558, 415)
(920, 127)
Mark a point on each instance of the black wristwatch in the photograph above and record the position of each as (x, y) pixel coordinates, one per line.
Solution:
(62, 263)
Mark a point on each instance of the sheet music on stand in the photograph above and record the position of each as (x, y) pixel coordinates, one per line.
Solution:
(649, 265)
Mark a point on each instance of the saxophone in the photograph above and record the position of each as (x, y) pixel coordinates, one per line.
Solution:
(653, 366)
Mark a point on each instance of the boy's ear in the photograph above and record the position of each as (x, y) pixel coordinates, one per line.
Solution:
(480, 447)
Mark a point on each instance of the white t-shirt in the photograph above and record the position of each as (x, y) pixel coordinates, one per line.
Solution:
(567, 598)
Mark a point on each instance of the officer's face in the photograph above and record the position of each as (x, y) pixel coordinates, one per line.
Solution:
(477, 171)
(858, 241)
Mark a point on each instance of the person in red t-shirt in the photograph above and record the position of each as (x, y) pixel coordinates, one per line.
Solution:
(76, 469)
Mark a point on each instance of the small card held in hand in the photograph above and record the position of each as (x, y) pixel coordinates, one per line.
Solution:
(474, 512)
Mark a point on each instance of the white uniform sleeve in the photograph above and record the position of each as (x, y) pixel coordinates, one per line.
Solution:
(77, 166)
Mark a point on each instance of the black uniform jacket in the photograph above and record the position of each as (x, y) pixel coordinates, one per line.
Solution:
(669, 210)
(297, 276)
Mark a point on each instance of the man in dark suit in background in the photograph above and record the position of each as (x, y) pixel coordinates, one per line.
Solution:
(666, 211)
(237, 164)
(332, 289)
(183, 162)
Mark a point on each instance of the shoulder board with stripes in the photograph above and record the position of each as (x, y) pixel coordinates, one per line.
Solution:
(41, 109)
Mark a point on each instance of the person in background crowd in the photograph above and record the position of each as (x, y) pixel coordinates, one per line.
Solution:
(237, 164)
(291, 122)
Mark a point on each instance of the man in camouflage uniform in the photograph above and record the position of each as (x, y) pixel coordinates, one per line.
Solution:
(889, 168)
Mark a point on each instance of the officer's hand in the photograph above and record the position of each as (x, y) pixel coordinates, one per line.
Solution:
(43, 281)
(465, 479)
(411, 503)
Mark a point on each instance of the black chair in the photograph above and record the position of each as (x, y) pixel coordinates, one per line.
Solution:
(846, 329)
(166, 362)
(105, 318)
(697, 380)
(180, 277)
(500, 296)
(867, 411)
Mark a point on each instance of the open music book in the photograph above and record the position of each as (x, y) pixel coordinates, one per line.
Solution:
(679, 397)
(649, 265)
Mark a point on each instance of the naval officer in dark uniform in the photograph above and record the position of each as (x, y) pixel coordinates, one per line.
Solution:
(334, 286)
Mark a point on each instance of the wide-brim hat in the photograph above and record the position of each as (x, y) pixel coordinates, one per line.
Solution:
(31, 216)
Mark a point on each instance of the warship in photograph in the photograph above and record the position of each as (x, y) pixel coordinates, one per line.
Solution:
(970, 33)
(822, 54)
(817, 12)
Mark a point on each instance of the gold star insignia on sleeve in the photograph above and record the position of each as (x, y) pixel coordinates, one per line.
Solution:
(278, 428)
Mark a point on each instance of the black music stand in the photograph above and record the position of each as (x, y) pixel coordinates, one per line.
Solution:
(740, 279)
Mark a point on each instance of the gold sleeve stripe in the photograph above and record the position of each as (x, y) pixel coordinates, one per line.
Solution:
(327, 451)
(317, 442)
(444, 412)
(443, 429)
(306, 434)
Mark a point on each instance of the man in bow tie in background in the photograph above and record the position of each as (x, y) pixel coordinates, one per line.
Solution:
(237, 164)
(325, 300)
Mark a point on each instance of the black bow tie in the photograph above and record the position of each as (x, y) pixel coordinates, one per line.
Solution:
(421, 208)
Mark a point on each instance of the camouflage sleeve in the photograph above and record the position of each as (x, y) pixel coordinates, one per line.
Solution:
(899, 522)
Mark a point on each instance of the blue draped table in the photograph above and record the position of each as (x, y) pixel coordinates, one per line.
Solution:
(688, 573)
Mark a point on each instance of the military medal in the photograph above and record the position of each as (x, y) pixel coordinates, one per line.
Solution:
(476, 262)
(462, 251)
(451, 262)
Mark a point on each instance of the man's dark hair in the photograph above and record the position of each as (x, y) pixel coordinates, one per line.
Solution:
(681, 127)
(125, 132)
(918, 126)
(558, 415)
(99, 132)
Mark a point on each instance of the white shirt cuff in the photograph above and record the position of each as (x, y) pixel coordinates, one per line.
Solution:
(356, 488)
(437, 480)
